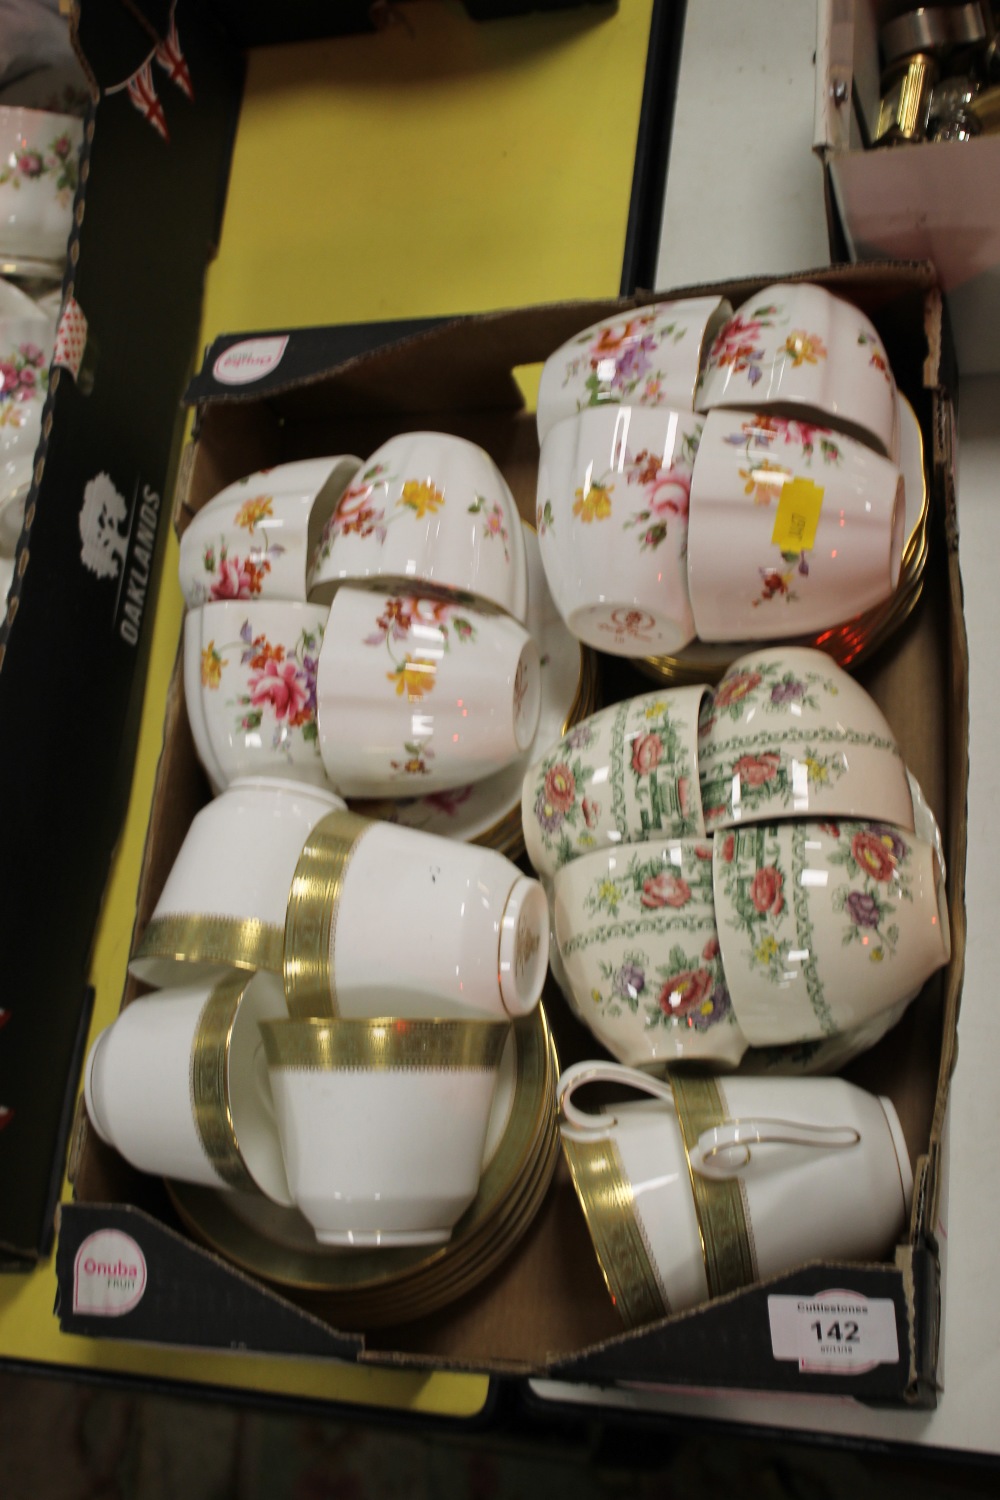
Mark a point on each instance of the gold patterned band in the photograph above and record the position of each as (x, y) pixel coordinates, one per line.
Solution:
(385, 1044)
(210, 1100)
(311, 916)
(605, 1195)
(718, 1203)
(242, 942)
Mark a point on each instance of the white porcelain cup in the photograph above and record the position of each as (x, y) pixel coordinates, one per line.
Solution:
(800, 350)
(614, 487)
(643, 356)
(788, 733)
(386, 920)
(419, 694)
(824, 926)
(383, 1123)
(178, 1085)
(257, 536)
(224, 902)
(39, 154)
(711, 1184)
(793, 528)
(427, 508)
(627, 773)
(250, 688)
(639, 951)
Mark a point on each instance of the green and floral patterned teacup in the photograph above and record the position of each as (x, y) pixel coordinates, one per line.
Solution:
(823, 926)
(624, 775)
(39, 152)
(787, 733)
(639, 950)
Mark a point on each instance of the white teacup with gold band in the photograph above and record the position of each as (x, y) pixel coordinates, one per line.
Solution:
(383, 1122)
(178, 1085)
(383, 918)
(224, 902)
(418, 694)
(256, 537)
(687, 1194)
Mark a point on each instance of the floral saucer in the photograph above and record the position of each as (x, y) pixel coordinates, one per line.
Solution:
(489, 811)
(846, 643)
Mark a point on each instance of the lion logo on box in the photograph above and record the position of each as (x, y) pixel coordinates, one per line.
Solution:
(102, 516)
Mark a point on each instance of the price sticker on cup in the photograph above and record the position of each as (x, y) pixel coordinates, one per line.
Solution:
(797, 515)
(834, 1332)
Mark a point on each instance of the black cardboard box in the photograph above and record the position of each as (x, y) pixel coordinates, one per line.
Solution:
(546, 1310)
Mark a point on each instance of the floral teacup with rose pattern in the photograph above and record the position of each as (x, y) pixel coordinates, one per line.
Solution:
(642, 356)
(636, 932)
(797, 349)
(824, 926)
(39, 154)
(623, 775)
(787, 733)
(614, 490)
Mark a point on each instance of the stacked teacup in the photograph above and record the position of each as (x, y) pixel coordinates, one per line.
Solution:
(720, 476)
(338, 991)
(27, 335)
(738, 868)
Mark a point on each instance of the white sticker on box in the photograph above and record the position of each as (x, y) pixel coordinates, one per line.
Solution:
(836, 1332)
(249, 360)
(109, 1274)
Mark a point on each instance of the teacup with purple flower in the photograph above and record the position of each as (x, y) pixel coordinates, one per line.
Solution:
(639, 952)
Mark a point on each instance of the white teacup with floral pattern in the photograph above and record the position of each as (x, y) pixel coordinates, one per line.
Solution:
(614, 487)
(793, 528)
(39, 154)
(26, 338)
(256, 537)
(625, 774)
(250, 686)
(418, 694)
(427, 508)
(635, 927)
(796, 348)
(826, 925)
(788, 733)
(644, 356)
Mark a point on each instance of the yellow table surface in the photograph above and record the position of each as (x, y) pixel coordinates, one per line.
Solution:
(437, 167)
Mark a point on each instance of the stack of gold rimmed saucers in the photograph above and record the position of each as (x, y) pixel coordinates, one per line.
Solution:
(489, 812)
(855, 639)
(369, 1289)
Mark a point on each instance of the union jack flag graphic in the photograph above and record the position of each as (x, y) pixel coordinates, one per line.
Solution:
(170, 57)
(142, 92)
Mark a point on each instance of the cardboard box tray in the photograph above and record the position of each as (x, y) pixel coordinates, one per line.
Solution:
(546, 1308)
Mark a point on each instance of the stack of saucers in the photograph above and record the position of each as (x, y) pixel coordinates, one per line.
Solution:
(710, 479)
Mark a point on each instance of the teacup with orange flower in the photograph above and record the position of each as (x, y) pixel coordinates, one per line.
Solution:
(254, 538)
(428, 509)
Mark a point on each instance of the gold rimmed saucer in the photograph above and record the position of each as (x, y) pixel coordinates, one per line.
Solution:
(851, 641)
(489, 812)
(277, 1245)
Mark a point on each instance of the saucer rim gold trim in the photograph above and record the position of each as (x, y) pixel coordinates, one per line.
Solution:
(211, 1218)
